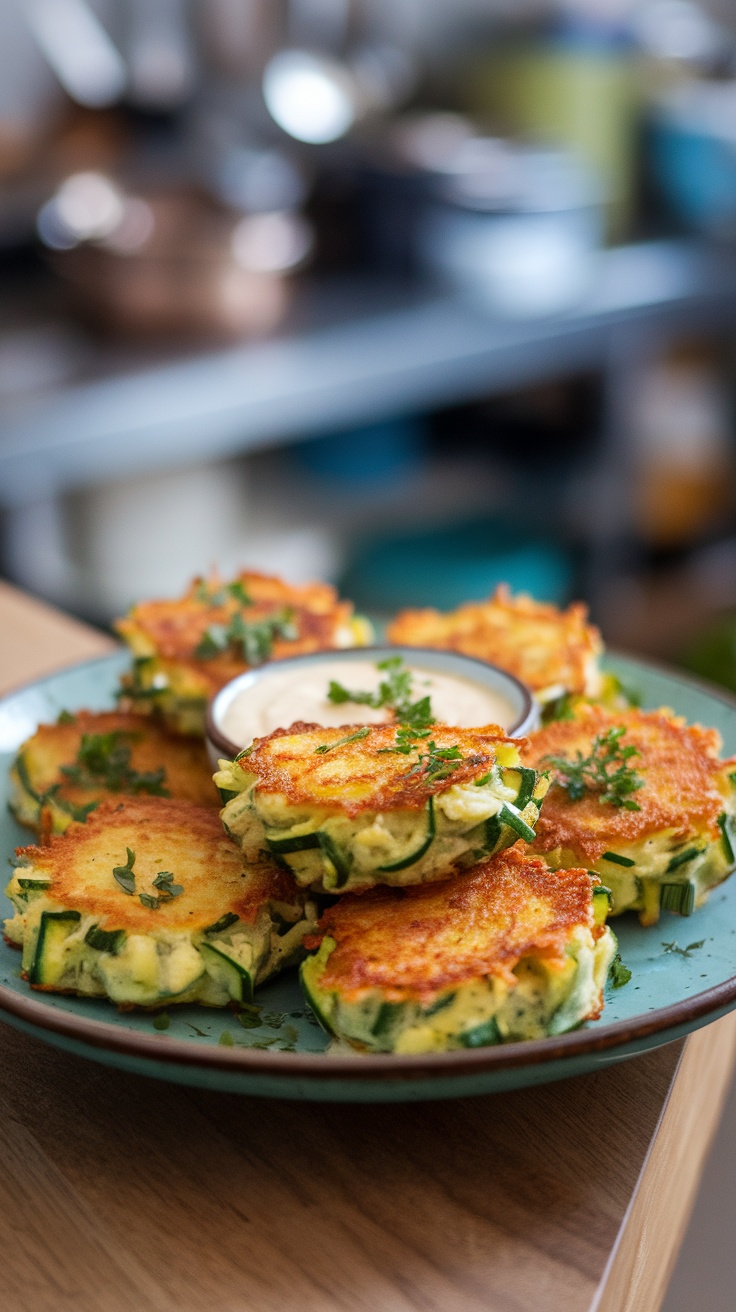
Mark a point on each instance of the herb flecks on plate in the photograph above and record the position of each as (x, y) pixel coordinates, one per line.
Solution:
(605, 771)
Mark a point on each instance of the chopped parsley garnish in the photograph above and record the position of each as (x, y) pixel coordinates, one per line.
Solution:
(103, 760)
(341, 742)
(605, 771)
(253, 640)
(164, 882)
(65, 717)
(683, 952)
(619, 974)
(124, 874)
(238, 590)
(414, 718)
(394, 693)
(161, 1021)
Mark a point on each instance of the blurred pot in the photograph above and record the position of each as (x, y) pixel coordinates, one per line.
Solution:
(171, 263)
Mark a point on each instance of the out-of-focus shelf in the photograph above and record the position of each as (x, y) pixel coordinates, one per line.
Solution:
(373, 358)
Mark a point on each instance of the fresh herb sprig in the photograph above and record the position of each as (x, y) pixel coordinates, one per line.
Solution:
(605, 771)
(394, 693)
(414, 719)
(253, 640)
(341, 742)
(103, 760)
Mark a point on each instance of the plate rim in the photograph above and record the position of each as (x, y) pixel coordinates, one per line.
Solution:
(382, 1067)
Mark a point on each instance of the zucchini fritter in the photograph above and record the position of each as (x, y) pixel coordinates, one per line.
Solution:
(507, 950)
(187, 649)
(375, 804)
(150, 903)
(552, 651)
(664, 844)
(66, 769)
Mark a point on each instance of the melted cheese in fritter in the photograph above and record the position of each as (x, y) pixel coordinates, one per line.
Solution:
(552, 651)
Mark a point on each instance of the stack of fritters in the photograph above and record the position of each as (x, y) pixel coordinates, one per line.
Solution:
(66, 769)
(473, 944)
(554, 652)
(187, 649)
(351, 807)
(149, 903)
(666, 843)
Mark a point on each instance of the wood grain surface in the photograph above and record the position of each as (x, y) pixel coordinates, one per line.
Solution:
(120, 1194)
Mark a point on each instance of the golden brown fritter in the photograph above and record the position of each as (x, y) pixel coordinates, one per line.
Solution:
(367, 773)
(414, 943)
(185, 841)
(307, 618)
(683, 791)
(545, 647)
(89, 756)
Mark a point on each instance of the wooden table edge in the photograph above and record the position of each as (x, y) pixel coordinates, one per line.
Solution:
(638, 1271)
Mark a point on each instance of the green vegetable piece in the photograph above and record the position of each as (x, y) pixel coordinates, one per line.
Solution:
(424, 846)
(481, 1036)
(224, 922)
(508, 815)
(65, 717)
(617, 860)
(124, 874)
(226, 1040)
(724, 824)
(679, 898)
(161, 1021)
(683, 858)
(105, 940)
(619, 974)
(148, 900)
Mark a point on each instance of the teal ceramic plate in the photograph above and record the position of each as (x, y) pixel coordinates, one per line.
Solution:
(684, 971)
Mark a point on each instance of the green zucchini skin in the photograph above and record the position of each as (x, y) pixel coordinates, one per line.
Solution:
(333, 858)
(49, 959)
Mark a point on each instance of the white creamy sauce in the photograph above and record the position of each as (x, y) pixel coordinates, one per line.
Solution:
(280, 697)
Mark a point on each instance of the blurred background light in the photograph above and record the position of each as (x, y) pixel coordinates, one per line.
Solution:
(271, 243)
(310, 97)
(79, 50)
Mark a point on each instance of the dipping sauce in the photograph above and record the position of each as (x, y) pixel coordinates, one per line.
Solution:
(280, 697)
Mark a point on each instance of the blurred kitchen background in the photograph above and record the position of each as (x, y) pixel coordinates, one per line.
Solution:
(415, 295)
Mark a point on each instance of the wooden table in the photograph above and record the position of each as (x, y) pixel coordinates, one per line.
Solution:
(119, 1194)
